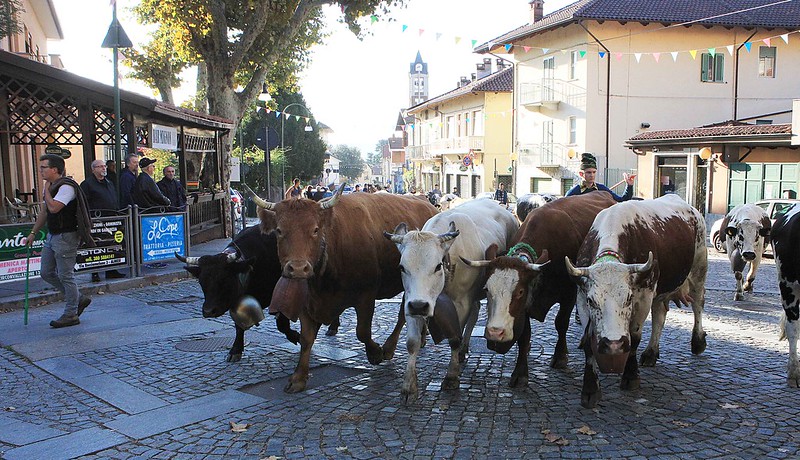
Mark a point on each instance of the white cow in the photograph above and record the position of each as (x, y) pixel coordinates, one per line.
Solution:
(745, 233)
(430, 264)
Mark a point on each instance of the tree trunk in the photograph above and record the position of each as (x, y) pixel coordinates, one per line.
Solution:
(201, 101)
(165, 90)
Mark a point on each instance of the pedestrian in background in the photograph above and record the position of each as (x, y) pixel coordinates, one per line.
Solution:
(127, 179)
(501, 195)
(146, 193)
(111, 169)
(68, 223)
(294, 191)
(172, 189)
(101, 195)
(588, 184)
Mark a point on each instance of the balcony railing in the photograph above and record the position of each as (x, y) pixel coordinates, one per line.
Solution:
(440, 146)
(550, 92)
(548, 155)
(51, 59)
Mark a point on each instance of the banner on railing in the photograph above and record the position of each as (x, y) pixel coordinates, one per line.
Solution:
(162, 235)
(13, 252)
(111, 236)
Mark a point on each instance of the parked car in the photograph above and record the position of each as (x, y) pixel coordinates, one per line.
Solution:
(774, 207)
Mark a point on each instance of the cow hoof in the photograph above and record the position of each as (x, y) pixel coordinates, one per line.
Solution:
(234, 357)
(590, 400)
(450, 383)
(559, 362)
(409, 397)
(648, 358)
(293, 337)
(793, 382)
(738, 296)
(388, 352)
(518, 380)
(629, 383)
(295, 386)
(375, 355)
(332, 331)
(698, 344)
(462, 358)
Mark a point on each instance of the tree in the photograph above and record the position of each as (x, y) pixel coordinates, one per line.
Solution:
(351, 165)
(9, 17)
(376, 157)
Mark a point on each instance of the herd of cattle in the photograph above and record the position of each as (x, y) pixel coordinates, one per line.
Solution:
(617, 262)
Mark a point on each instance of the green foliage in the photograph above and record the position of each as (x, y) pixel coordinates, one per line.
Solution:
(376, 157)
(163, 159)
(351, 165)
(9, 17)
(253, 170)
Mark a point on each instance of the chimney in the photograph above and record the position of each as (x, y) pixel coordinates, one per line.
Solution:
(500, 64)
(464, 82)
(537, 10)
(474, 76)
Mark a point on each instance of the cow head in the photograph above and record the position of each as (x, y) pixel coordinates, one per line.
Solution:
(424, 266)
(509, 286)
(300, 226)
(222, 279)
(744, 236)
(607, 291)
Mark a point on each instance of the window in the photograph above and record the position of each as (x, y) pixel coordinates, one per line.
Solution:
(573, 130)
(766, 61)
(573, 65)
(712, 68)
(477, 123)
(540, 185)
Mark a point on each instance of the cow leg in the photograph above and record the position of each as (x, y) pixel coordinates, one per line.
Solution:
(560, 357)
(409, 389)
(390, 345)
(738, 266)
(235, 353)
(333, 329)
(590, 392)
(658, 317)
(751, 274)
(451, 380)
(630, 376)
(469, 325)
(283, 325)
(520, 375)
(792, 329)
(790, 323)
(739, 294)
(697, 290)
(364, 312)
(308, 334)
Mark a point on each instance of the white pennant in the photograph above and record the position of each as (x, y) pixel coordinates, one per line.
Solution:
(638, 56)
(730, 49)
(785, 38)
(674, 56)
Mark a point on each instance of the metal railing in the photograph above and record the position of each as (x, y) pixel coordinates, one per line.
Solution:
(439, 146)
(551, 91)
(548, 155)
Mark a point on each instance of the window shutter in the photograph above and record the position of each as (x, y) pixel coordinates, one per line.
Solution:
(704, 59)
(719, 67)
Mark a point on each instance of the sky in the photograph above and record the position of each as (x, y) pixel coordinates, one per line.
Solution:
(355, 87)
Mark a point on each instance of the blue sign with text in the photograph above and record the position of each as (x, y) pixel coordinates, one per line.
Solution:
(162, 235)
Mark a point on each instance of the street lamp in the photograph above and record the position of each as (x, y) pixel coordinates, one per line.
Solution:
(283, 118)
(265, 97)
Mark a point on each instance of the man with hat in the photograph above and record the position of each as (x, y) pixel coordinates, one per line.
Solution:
(589, 172)
(145, 192)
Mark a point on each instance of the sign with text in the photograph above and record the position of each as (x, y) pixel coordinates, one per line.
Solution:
(162, 235)
(111, 236)
(13, 252)
(163, 137)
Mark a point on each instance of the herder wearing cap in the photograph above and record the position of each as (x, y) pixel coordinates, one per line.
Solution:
(145, 192)
(588, 184)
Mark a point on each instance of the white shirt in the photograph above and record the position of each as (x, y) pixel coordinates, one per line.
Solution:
(65, 194)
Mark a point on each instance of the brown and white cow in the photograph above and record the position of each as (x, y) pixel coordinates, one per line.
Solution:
(638, 256)
(745, 233)
(520, 286)
(786, 247)
(333, 256)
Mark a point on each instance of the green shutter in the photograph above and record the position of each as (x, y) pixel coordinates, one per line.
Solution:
(704, 59)
(719, 67)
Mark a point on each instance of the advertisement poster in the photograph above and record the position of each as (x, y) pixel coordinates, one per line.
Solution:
(162, 236)
(13, 253)
(110, 235)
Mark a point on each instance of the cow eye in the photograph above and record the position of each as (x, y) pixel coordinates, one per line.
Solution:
(316, 231)
(438, 267)
(520, 292)
(278, 232)
(402, 269)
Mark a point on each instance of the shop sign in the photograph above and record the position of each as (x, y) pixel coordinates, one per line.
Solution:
(110, 234)
(13, 253)
(162, 235)
(163, 137)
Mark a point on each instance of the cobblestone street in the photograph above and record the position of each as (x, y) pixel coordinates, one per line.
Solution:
(145, 376)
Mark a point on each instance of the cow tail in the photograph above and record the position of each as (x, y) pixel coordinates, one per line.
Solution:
(782, 335)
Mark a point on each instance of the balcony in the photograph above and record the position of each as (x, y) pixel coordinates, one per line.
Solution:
(549, 157)
(53, 60)
(442, 146)
(549, 93)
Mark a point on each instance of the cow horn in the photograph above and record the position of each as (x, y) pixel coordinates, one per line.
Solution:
(537, 267)
(334, 199)
(190, 261)
(262, 203)
(572, 270)
(476, 263)
(643, 268)
(452, 233)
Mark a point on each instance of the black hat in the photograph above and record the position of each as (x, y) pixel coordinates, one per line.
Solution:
(145, 162)
(588, 161)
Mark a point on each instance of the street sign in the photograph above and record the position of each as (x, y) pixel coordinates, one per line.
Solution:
(162, 235)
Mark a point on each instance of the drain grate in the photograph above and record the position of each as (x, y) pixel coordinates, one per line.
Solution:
(273, 389)
(206, 345)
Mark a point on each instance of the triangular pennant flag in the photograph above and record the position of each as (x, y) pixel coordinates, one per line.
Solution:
(458, 39)
(421, 31)
(638, 56)
(656, 56)
(582, 53)
(373, 19)
(712, 51)
(767, 40)
(508, 47)
(297, 118)
(618, 56)
(693, 53)
(526, 48)
(438, 36)
(602, 54)
(405, 27)
(674, 56)
(730, 49)
(748, 45)
(545, 50)
(785, 38)
(268, 109)
(277, 114)
(476, 41)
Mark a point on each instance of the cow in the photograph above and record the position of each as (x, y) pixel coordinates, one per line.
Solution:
(531, 277)
(745, 233)
(531, 201)
(638, 256)
(786, 248)
(333, 255)
(431, 264)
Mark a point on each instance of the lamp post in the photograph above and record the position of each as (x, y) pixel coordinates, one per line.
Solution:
(265, 97)
(283, 149)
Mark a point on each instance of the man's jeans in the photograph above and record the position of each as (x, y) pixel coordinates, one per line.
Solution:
(58, 267)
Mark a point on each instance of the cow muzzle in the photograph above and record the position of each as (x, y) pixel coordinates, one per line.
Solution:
(213, 311)
(611, 355)
(749, 256)
(497, 334)
(419, 308)
(298, 269)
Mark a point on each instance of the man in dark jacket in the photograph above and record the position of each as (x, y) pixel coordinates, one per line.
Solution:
(173, 189)
(101, 194)
(127, 178)
(145, 192)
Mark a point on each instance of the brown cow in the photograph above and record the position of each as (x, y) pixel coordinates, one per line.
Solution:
(333, 254)
(518, 288)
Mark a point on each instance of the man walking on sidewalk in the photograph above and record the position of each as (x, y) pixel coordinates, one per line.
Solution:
(68, 223)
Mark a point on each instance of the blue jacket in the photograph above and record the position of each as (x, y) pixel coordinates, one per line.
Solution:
(126, 181)
(627, 195)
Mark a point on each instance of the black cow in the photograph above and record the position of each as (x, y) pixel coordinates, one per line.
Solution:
(248, 266)
(786, 247)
